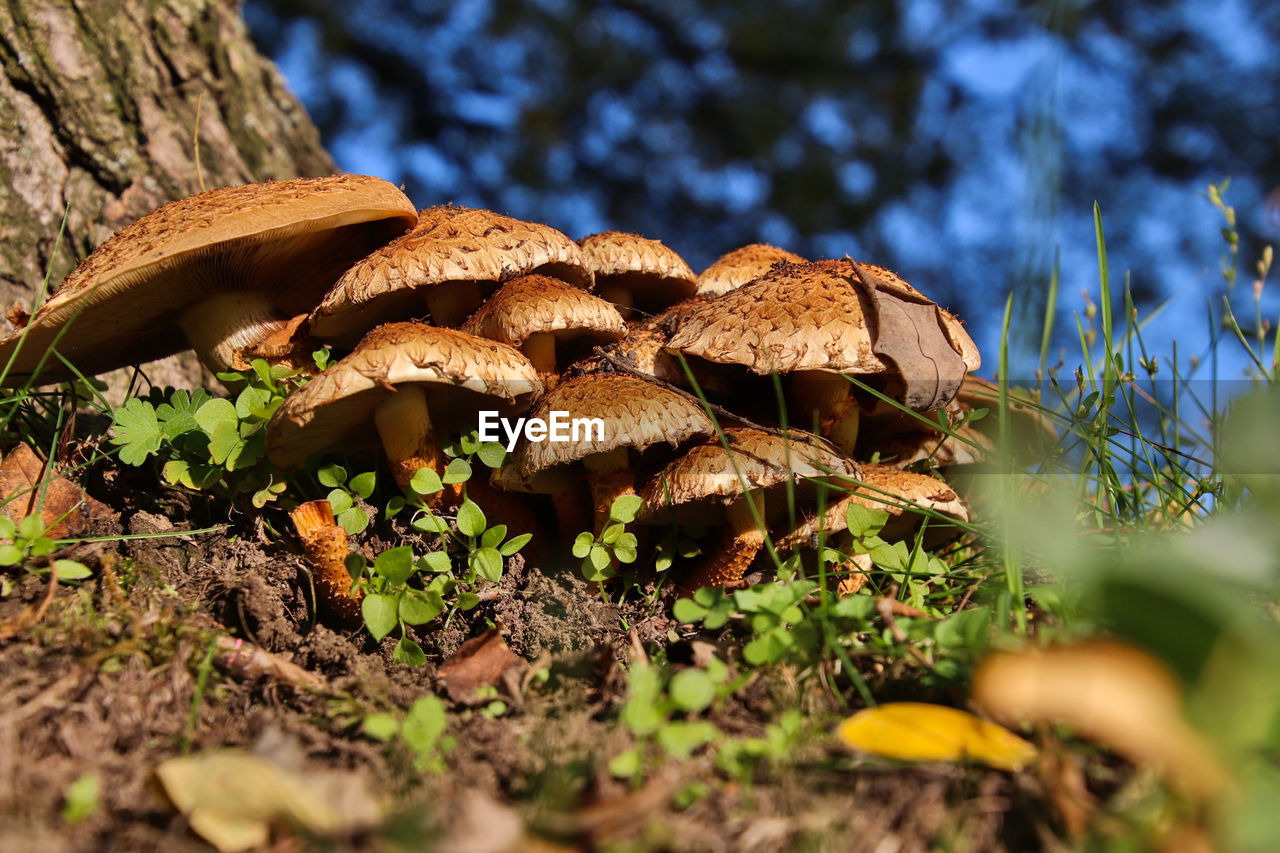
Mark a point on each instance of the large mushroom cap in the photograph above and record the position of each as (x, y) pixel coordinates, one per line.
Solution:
(538, 304)
(280, 243)
(653, 275)
(698, 485)
(636, 415)
(460, 374)
(742, 266)
(449, 244)
(838, 316)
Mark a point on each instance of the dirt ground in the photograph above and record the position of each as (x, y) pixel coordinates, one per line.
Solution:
(121, 673)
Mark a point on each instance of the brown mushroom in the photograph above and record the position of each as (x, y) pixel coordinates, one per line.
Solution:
(408, 381)
(635, 272)
(741, 488)
(633, 415)
(818, 321)
(444, 266)
(742, 266)
(538, 315)
(219, 271)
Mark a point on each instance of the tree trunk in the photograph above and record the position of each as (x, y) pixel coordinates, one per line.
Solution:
(109, 108)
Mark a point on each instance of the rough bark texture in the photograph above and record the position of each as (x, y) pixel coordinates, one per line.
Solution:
(98, 117)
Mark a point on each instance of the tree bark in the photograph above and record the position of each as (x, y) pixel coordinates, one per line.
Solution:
(109, 108)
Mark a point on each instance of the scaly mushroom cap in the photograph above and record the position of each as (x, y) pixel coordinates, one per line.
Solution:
(636, 415)
(538, 304)
(836, 316)
(891, 490)
(278, 245)
(449, 244)
(742, 266)
(655, 276)
(459, 373)
(698, 485)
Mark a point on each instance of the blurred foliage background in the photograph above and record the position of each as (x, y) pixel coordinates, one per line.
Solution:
(960, 143)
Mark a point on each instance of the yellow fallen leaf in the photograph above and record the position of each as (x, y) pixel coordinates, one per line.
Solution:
(916, 731)
(232, 798)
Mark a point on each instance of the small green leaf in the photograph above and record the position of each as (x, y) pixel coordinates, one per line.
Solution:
(469, 442)
(611, 533)
(81, 798)
(137, 431)
(395, 564)
(353, 520)
(487, 563)
(624, 508)
(691, 690)
(471, 520)
(457, 471)
(339, 500)
(416, 611)
(380, 614)
(426, 482)
(424, 724)
(514, 544)
(7, 527)
(688, 610)
(864, 522)
(408, 652)
(30, 527)
(625, 764)
(394, 505)
(429, 522)
(71, 570)
(597, 566)
(331, 476)
(467, 600)
(493, 537)
(582, 544)
(492, 454)
(225, 444)
(437, 561)
(363, 484)
(356, 565)
(680, 739)
(216, 413)
(380, 727)
(625, 554)
(10, 555)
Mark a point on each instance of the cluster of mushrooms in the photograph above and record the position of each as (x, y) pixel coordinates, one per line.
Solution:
(443, 313)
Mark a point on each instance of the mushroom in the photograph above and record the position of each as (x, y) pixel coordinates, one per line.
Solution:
(219, 271)
(538, 315)
(633, 415)
(742, 266)
(902, 494)
(740, 488)
(820, 320)
(444, 265)
(634, 272)
(408, 381)
(326, 545)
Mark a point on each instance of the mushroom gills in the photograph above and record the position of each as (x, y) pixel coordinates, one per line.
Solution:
(407, 434)
(743, 538)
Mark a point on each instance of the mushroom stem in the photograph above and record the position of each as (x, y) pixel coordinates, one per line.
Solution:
(743, 539)
(831, 397)
(572, 512)
(221, 325)
(326, 545)
(452, 302)
(408, 437)
(621, 297)
(540, 348)
(609, 479)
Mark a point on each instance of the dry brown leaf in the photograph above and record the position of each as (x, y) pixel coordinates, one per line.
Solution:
(482, 661)
(64, 508)
(233, 798)
(1110, 693)
(249, 661)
